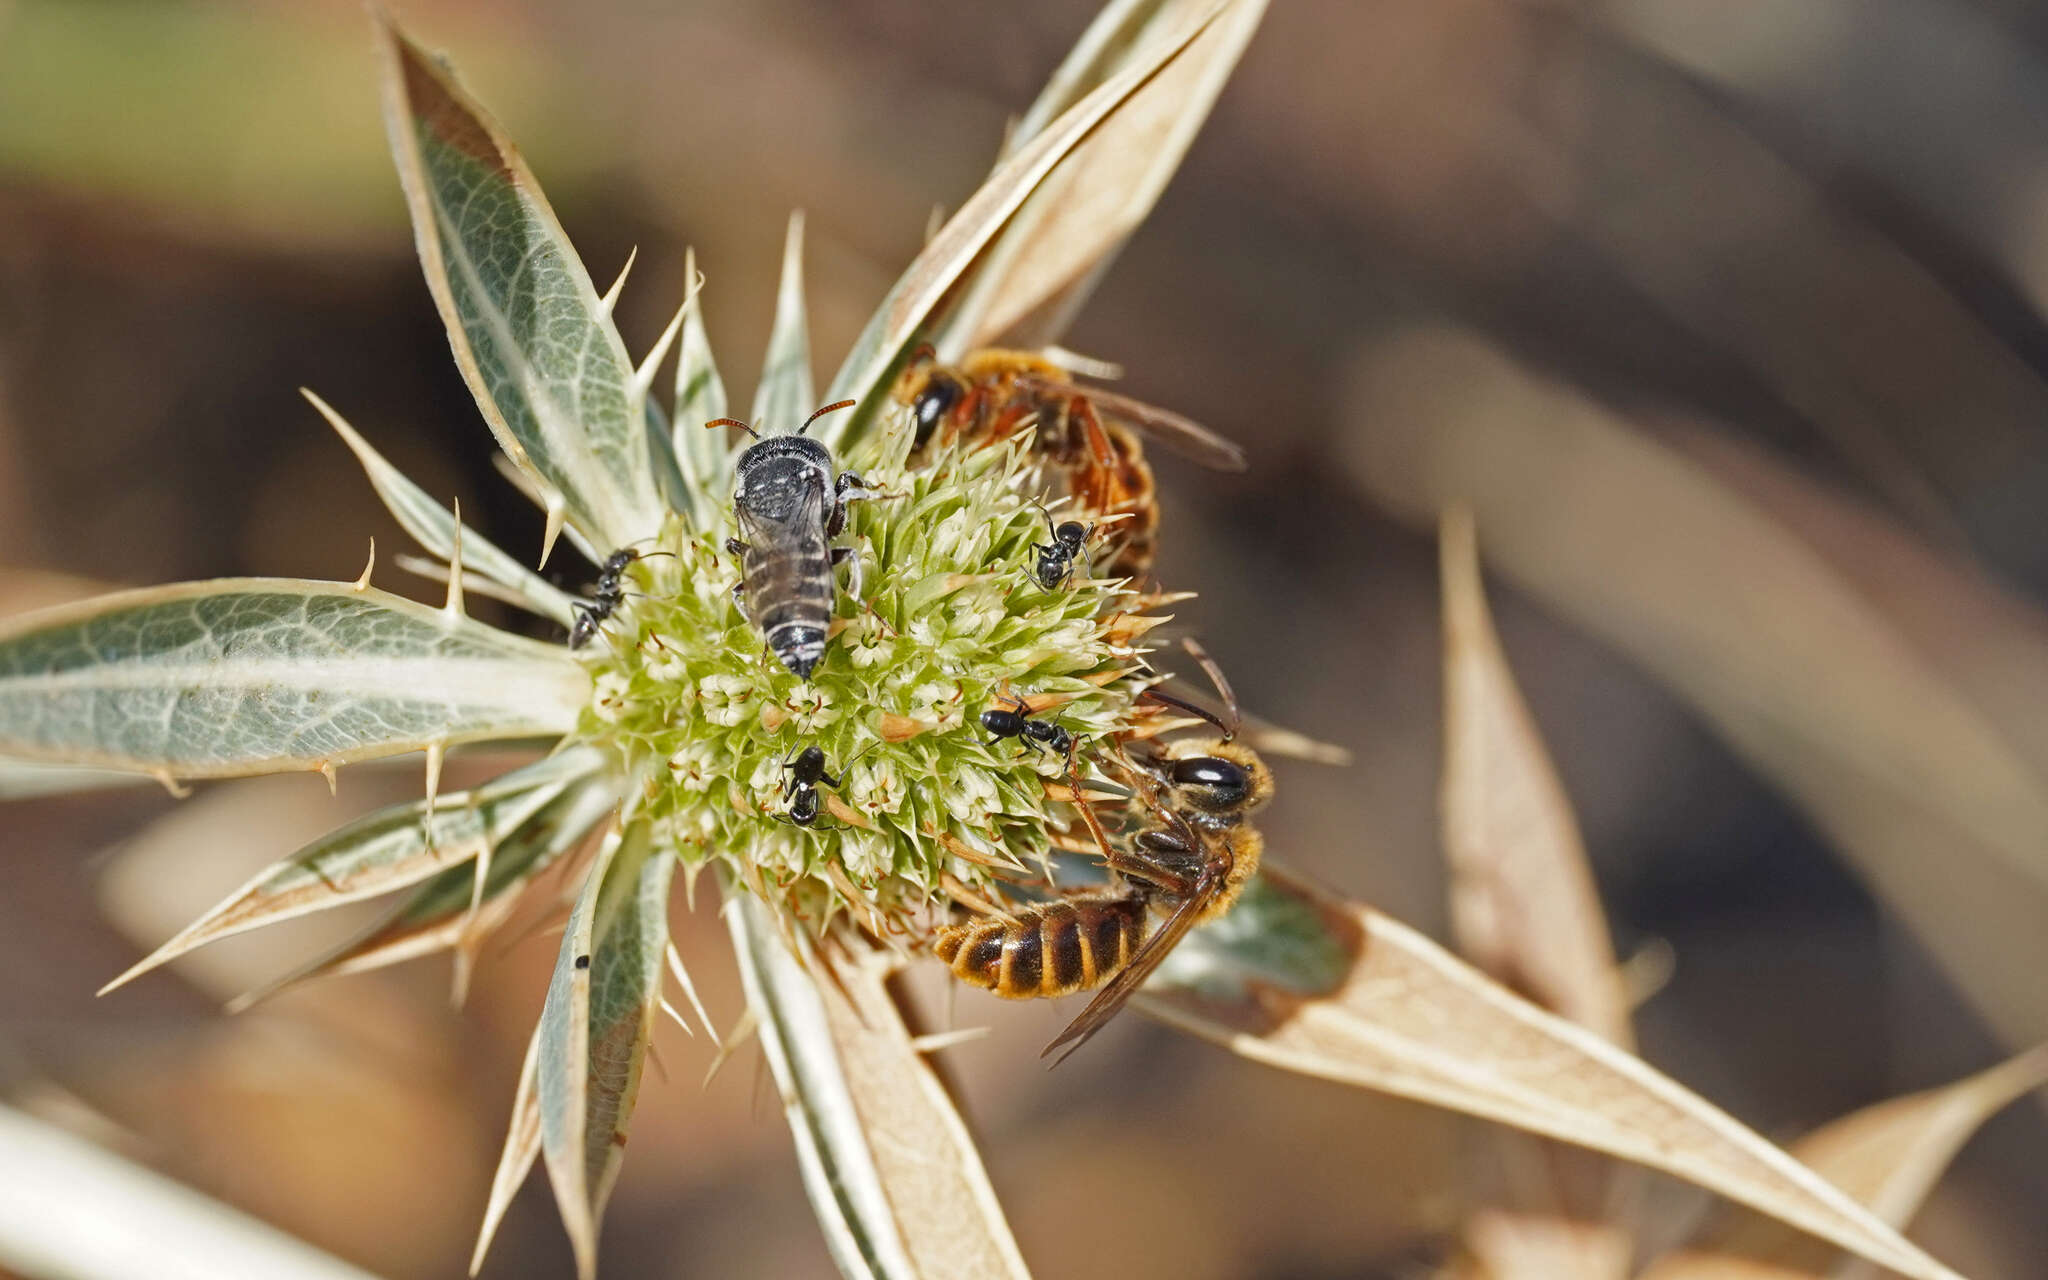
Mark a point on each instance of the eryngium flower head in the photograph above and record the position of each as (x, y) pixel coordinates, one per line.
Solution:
(950, 623)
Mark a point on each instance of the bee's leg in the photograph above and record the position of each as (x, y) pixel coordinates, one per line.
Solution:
(1176, 870)
(841, 555)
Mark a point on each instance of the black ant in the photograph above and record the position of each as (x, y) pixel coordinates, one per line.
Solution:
(1018, 724)
(801, 791)
(610, 594)
(1056, 558)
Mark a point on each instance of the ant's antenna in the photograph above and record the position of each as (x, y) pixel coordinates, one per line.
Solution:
(841, 404)
(732, 422)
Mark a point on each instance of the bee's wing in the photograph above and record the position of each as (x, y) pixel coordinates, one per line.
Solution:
(808, 512)
(1184, 436)
(1111, 999)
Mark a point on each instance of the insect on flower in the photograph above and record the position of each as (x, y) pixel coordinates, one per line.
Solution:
(790, 505)
(1016, 722)
(1192, 861)
(801, 791)
(609, 595)
(1087, 433)
(1056, 560)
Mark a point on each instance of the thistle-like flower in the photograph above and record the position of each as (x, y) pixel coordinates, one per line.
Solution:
(671, 740)
(672, 729)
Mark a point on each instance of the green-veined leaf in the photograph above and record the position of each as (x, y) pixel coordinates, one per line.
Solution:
(531, 490)
(595, 1027)
(1036, 274)
(532, 338)
(904, 313)
(890, 1169)
(435, 528)
(661, 451)
(1403, 1016)
(260, 675)
(436, 916)
(700, 398)
(390, 849)
(1888, 1156)
(786, 394)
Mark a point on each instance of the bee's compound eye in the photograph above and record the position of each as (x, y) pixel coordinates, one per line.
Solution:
(1212, 783)
(932, 405)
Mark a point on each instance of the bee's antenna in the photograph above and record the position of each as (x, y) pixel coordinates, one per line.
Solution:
(1215, 674)
(836, 405)
(732, 422)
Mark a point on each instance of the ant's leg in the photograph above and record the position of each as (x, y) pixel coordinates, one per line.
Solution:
(1050, 531)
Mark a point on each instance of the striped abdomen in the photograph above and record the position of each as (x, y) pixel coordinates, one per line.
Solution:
(1049, 950)
(789, 596)
(1127, 489)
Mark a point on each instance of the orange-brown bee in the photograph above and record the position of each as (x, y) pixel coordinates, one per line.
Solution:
(1084, 432)
(1052, 949)
(1192, 862)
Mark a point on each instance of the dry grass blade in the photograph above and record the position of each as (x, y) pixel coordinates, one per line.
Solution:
(1888, 1156)
(70, 1209)
(1408, 1018)
(938, 268)
(522, 1148)
(1731, 609)
(1524, 909)
(1523, 904)
(1065, 235)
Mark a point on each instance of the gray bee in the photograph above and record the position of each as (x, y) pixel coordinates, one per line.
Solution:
(791, 503)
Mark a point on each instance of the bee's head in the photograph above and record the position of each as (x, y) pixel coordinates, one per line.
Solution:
(1219, 778)
(928, 408)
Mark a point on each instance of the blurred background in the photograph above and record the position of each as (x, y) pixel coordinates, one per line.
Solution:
(1727, 318)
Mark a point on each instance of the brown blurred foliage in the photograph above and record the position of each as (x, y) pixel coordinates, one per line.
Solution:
(1796, 250)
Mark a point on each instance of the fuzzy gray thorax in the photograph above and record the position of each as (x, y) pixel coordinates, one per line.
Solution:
(776, 475)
